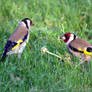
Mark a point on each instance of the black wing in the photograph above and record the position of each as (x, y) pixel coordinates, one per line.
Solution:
(89, 49)
(9, 46)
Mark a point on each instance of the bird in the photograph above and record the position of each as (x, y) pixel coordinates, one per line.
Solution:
(78, 47)
(18, 39)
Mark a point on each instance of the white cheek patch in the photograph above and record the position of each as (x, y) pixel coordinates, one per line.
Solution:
(23, 24)
(28, 22)
(70, 39)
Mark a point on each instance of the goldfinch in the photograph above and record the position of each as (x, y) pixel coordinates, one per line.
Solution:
(19, 38)
(77, 46)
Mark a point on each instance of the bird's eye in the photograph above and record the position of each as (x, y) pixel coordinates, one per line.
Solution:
(67, 37)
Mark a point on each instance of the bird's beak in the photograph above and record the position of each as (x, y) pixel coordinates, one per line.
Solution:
(32, 24)
(62, 37)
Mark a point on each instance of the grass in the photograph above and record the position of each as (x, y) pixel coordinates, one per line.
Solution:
(38, 72)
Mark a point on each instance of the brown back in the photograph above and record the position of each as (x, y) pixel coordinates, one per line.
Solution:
(80, 43)
(19, 33)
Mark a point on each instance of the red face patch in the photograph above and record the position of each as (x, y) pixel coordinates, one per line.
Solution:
(67, 36)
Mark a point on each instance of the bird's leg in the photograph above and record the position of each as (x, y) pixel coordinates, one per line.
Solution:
(19, 56)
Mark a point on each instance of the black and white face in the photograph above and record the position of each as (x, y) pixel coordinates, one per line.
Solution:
(68, 37)
(27, 22)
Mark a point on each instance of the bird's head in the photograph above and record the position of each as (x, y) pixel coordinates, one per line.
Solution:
(68, 37)
(27, 22)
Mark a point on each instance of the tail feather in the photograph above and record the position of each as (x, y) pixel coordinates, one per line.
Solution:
(3, 57)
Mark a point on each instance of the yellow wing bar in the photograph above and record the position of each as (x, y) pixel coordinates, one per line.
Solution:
(85, 51)
(18, 43)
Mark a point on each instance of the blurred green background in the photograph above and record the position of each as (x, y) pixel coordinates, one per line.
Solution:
(37, 72)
